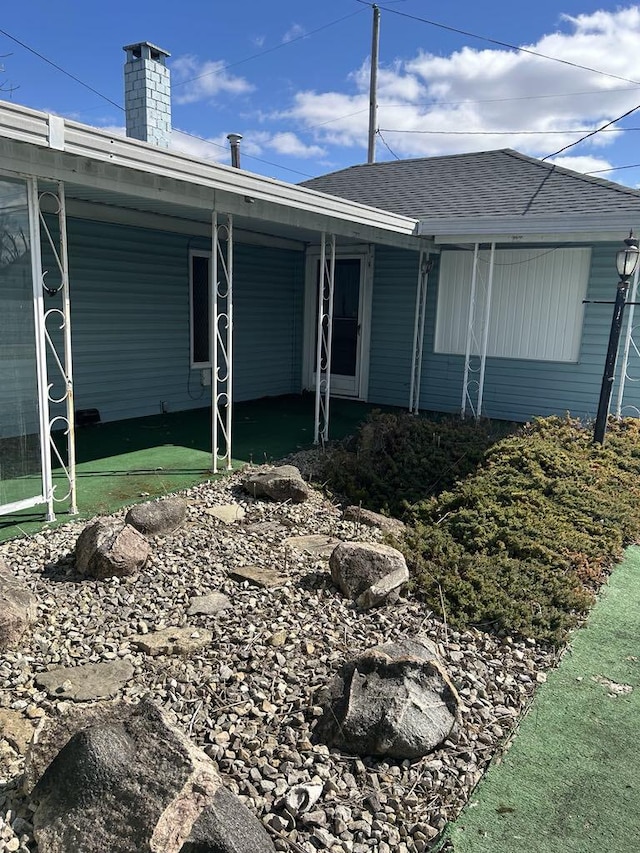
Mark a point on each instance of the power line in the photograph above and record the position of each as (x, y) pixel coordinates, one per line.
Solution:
(248, 156)
(269, 49)
(613, 169)
(119, 107)
(593, 132)
(508, 132)
(507, 45)
(59, 68)
(386, 145)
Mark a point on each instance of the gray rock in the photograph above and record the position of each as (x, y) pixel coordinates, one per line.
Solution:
(108, 549)
(314, 544)
(173, 641)
(135, 784)
(88, 682)
(227, 513)
(208, 605)
(374, 519)
(17, 608)
(279, 484)
(359, 568)
(15, 729)
(227, 826)
(258, 576)
(394, 700)
(158, 518)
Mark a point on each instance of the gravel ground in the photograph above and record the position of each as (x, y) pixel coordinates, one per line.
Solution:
(249, 698)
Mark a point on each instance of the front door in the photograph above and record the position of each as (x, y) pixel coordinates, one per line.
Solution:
(349, 338)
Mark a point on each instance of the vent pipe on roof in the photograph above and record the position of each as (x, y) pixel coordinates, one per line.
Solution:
(234, 142)
(147, 93)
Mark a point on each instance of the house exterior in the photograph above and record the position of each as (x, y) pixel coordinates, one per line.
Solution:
(524, 257)
(136, 280)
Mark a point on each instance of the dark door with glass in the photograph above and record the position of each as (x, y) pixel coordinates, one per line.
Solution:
(345, 347)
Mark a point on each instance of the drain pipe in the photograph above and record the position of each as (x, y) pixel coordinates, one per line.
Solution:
(234, 142)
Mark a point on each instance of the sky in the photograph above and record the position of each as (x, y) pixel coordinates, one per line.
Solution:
(293, 77)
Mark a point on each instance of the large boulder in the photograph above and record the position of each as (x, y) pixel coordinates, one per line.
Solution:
(17, 608)
(107, 549)
(367, 572)
(134, 783)
(395, 700)
(158, 518)
(278, 484)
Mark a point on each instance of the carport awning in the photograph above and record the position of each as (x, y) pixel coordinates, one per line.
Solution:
(117, 172)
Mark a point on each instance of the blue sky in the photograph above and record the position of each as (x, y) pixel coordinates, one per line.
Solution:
(292, 77)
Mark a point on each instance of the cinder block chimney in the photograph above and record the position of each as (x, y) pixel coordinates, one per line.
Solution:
(147, 93)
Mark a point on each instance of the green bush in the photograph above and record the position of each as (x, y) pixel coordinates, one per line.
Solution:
(519, 545)
(398, 459)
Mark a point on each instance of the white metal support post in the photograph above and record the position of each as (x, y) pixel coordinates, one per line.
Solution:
(630, 346)
(477, 339)
(470, 335)
(62, 361)
(41, 347)
(221, 339)
(326, 279)
(424, 268)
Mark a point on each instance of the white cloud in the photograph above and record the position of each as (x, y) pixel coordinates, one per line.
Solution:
(289, 143)
(501, 95)
(585, 163)
(198, 80)
(259, 41)
(294, 32)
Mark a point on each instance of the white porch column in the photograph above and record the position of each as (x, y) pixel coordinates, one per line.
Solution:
(326, 279)
(424, 268)
(41, 347)
(470, 333)
(629, 344)
(64, 361)
(221, 339)
(477, 338)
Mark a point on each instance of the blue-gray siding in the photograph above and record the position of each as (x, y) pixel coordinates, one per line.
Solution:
(130, 320)
(515, 389)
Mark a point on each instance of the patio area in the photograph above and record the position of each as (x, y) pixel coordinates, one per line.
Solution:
(122, 462)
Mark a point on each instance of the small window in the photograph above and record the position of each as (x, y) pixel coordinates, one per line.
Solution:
(199, 318)
(536, 302)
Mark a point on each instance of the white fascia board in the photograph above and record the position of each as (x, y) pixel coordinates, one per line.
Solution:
(31, 126)
(531, 229)
(107, 177)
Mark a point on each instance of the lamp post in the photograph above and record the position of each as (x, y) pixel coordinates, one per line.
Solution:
(626, 263)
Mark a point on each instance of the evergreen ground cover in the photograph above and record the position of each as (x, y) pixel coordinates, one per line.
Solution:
(510, 529)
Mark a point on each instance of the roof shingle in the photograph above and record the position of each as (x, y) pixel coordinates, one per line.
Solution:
(488, 183)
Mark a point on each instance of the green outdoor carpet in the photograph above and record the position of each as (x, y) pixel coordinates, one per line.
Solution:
(570, 782)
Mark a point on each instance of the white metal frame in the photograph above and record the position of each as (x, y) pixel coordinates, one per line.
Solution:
(366, 256)
(61, 361)
(473, 379)
(46, 488)
(424, 268)
(631, 348)
(326, 281)
(221, 339)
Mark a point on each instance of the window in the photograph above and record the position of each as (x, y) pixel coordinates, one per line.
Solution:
(536, 302)
(199, 310)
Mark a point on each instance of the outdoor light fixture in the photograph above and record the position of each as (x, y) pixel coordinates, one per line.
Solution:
(626, 263)
(627, 258)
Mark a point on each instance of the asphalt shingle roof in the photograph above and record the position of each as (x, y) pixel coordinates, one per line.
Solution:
(487, 183)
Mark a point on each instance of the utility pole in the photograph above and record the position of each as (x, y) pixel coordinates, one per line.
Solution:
(373, 85)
